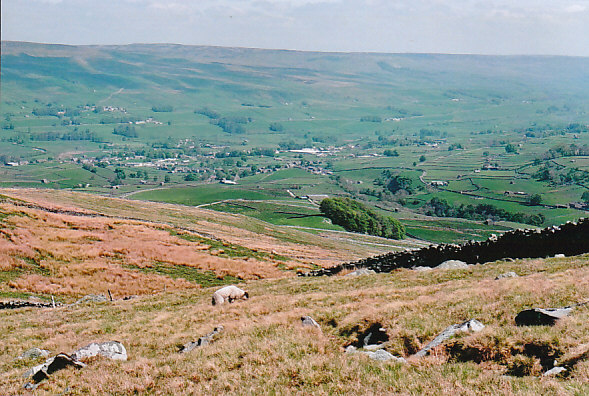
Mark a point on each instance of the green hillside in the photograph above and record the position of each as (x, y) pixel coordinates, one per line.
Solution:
(169, 122)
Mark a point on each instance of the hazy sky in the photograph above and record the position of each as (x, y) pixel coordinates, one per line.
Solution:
(558, 27)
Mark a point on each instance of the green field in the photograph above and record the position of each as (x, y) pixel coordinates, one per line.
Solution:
(168, 123)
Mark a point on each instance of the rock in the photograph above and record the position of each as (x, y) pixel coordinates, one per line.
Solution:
(507, 275)
(42, 371)
(560, 255)
(471, 325)
(362, 271)
(541, 317)
(554, 371)
(91, 298)
(383, 355)
(351, 349)
(202, 341)
(308, 321)
(34, 353)
(110, 349)
(421, 269)
(452, 264)
(373, 347)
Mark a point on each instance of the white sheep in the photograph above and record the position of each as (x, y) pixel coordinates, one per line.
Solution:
(229, 293)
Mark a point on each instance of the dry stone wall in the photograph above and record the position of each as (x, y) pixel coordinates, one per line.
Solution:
(570, 239)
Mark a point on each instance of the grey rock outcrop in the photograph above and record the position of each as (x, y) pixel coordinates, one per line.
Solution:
(308, 321)
(554, 371)
(33, 353)
(110, 349)
(452, 264)
(541, 317)
(379, 354)
(471, 325)
(202, 341)
(42, 371)
(383, 355)
(361, 271)
(510, 274)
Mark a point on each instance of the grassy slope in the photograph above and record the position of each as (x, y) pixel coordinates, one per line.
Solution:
(264, 350)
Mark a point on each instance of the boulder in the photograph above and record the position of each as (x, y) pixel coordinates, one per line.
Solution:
(471, 325)
(34, 353)
(383, 355)
(110, 349)
(42, 371)
(452, 264)
(422, 269)
(202, 341)
(308, 321)
(362, 271)
(554, 371)
(541, 317)
(559, 255)
(507, 275)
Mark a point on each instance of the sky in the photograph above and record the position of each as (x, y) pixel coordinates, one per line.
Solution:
(506, 27)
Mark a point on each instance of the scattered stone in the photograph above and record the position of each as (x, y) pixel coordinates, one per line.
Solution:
(229, 294)
(373, 347)
(361, 271)
(554, 371)
(422, 269)
(129, 297)
(383, 355)
(34, 353)
(507, 275)
(202, 341)
(110, 349)
(560, 255)
(452, 264)
(351, 349)
(308, 321)
(42, 371)
(471, 325)
(541, 317)
(91, 298)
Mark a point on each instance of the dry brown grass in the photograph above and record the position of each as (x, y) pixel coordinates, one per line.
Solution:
(264, 350)
(65, 254)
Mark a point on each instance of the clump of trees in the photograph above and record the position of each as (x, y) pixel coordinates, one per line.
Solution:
(369, 118)
(276, 127)
(162, 108)
(395, 183)
(441, 208)
(125, 130)
(357, 217)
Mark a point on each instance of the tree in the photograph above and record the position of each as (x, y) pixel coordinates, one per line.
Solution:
(535, 199)
(167, 179)
(510, 148)
(585, 197)
(356, 217)
(422, 158)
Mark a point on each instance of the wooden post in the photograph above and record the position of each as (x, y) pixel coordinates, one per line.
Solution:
(109, 294)
(53, 301)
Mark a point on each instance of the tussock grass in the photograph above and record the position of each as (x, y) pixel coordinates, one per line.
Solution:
(264, 349)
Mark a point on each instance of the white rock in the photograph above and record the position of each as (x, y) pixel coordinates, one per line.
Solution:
(452, 264)
(110, 349)
(554, 371)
